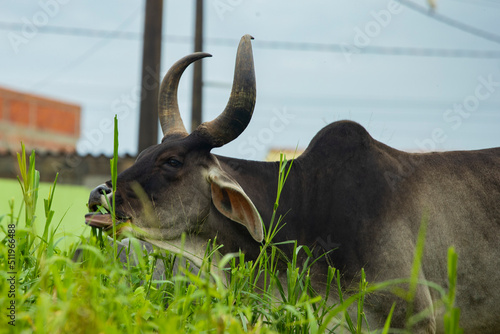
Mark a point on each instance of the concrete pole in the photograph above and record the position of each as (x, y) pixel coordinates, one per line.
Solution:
(197, 97)
(151, 58)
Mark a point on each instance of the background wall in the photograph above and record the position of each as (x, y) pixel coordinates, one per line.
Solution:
(41, 123)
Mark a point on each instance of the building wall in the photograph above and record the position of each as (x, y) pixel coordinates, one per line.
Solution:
(274, 153)
(52, 129)
(40, 123)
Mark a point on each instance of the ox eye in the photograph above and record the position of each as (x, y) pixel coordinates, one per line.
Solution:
(174, 163)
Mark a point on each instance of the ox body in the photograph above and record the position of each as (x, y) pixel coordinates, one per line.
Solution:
(347, 194)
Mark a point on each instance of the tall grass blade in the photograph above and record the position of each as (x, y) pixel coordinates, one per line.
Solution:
(387, 324)
(452, 315)
(114, 178)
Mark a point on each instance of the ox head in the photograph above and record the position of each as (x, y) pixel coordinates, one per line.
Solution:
(175, 186)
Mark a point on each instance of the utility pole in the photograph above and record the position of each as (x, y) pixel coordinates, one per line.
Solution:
(151, 57)
(197, 74)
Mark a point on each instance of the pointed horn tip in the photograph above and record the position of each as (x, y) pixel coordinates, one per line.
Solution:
(247, 36)
(203, 54)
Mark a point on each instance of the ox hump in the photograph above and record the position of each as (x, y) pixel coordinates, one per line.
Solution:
(341, 135)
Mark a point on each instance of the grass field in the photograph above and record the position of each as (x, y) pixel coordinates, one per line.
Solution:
(69, 207)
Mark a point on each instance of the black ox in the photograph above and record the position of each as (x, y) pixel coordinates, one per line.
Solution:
(366, 198)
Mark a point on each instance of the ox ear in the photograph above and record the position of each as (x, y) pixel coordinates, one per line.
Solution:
(230, 199)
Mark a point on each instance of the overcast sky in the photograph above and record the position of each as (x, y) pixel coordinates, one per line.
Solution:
(415, 79)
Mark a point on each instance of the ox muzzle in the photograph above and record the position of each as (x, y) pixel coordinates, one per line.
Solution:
(100, 214)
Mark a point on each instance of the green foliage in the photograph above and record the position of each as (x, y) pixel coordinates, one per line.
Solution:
(97, 294)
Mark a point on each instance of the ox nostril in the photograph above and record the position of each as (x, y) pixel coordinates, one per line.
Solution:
(104, 188)
(95, 196)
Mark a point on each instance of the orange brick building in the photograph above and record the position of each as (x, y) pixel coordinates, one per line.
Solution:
(43, 124)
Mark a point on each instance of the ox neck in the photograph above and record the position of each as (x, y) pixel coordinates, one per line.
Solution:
(259, 180)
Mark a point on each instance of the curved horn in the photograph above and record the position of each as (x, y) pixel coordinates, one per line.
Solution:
(168, 108)
(239, 109)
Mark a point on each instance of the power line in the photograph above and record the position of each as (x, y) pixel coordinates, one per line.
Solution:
(380, 50)
(274, 45)
(451, 22)
(482, 3)
(75, 31)
(80, 59)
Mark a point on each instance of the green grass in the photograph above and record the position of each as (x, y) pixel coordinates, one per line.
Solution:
(97, 294)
